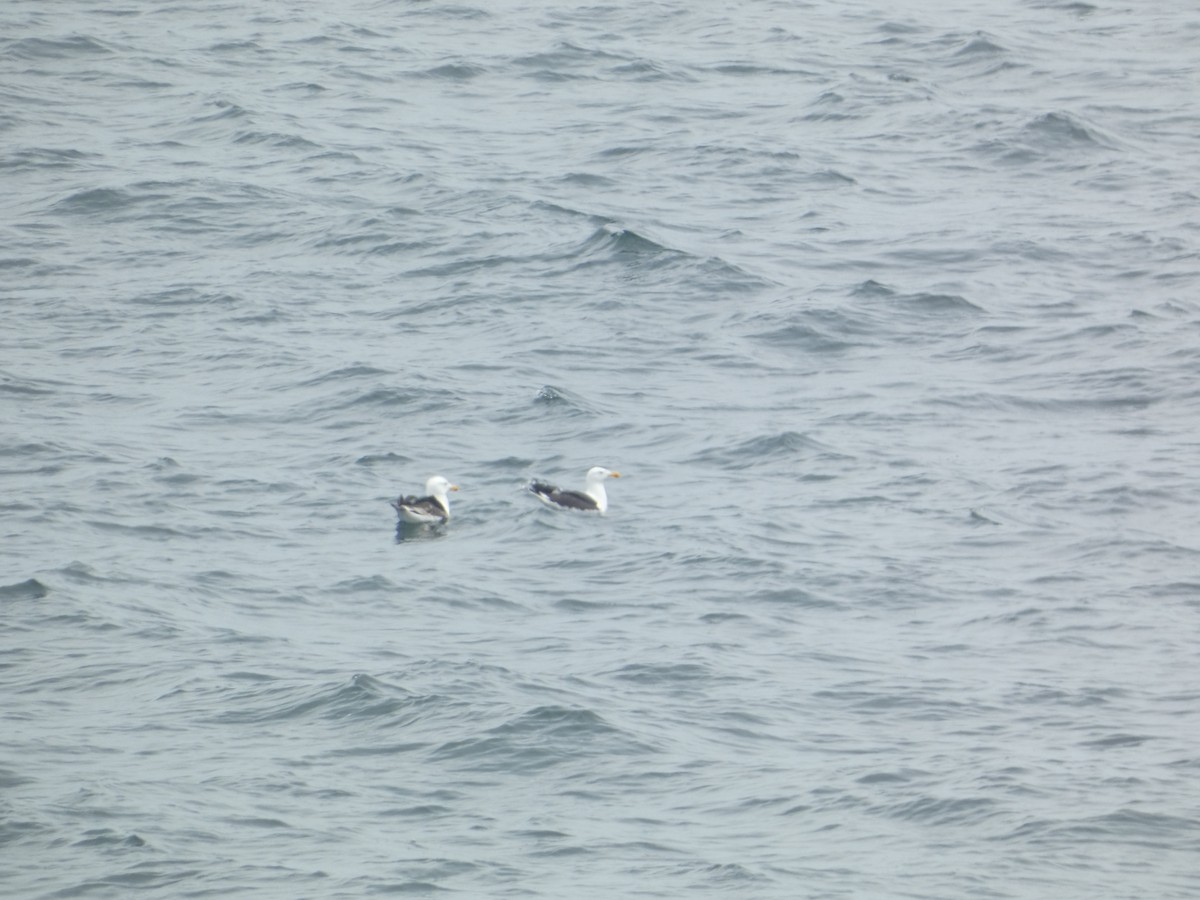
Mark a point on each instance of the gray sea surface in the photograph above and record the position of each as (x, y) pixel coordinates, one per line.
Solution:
(889, 316)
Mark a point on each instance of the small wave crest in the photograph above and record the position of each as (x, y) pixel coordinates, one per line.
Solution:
(29, 589)
(561, 399)
(765, 449)
(361, 698)
(540, 738)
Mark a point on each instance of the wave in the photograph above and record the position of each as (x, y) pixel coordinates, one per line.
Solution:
(540, 738)
(343, 374)
(610, 247)
(38, 158)
(1057, 137)
(562, 400)
(23, 386)
(876, 314)
(361, 698)
(612, 244)
(942, 811)
(1060, 130)
(920, 301)
(1124, 826)
(652, 674)
(981, 45)
(771, 448)
(561, 62)
(29, 589)
(338, 404)
(980, 54)
(805, 337)
(67, 48)
(95, 200)
(455, 71)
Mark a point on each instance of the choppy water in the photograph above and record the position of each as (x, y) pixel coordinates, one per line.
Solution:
(889, 317)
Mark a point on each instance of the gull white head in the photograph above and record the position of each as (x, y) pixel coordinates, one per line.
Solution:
(437, 486)
(594, 485)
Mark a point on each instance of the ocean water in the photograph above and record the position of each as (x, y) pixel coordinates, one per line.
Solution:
(888, 315)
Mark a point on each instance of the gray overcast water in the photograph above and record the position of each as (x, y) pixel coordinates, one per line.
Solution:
(889, 316)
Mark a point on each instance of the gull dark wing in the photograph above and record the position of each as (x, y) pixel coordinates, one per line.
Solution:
(432, 505)
(574, 500)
